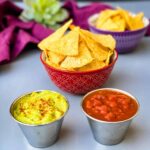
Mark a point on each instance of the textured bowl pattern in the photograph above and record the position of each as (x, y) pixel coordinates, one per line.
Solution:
(79, 82)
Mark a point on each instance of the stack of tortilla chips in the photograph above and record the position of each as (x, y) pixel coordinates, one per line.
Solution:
(78, 49)
(119, 20)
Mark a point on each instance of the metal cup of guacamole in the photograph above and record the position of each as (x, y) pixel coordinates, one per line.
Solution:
(40, 115)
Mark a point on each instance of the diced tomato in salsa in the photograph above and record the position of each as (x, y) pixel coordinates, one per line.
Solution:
(110, 105)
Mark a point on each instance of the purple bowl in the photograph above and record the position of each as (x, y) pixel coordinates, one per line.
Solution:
(125, 41)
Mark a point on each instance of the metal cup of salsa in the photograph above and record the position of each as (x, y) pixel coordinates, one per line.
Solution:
(109, 112)
(40, 114)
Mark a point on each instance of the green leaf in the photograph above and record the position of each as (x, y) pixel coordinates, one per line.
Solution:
(47, 12)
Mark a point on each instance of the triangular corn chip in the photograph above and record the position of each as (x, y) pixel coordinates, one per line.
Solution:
(105, 40)
(84, 57)
(94, 65)
(138, 21)
(110, 53)
(109, 25)
(127, 17)
(67, 45)
(98, 52)
(53, 57)
(54, 36)
(104, 16)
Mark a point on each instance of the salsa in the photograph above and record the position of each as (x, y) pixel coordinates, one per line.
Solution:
(109, 105)
(40, 107)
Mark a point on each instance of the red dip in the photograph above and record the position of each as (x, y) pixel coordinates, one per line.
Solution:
(110, 105)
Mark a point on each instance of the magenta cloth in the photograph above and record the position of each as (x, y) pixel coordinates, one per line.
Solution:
(15, 34)
(148, 30)
(80, 15)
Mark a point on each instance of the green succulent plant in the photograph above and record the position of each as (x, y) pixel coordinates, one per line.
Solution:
(48, 12)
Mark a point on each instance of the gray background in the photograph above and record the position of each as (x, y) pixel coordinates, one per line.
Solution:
(26, 73)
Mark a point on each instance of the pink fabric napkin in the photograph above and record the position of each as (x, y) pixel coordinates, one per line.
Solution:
(15, 34)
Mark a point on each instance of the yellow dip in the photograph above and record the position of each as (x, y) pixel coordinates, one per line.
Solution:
(40, 107)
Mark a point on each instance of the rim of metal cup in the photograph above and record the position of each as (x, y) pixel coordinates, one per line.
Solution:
(95, 16)
(112, 89)
(18, 98)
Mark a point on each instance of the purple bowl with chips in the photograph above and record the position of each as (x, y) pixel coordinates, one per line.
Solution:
(126, 41)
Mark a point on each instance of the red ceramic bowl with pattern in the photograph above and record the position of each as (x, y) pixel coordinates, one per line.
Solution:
(79, 82)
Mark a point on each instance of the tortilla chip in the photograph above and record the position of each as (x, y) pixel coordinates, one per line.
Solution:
(110, 53)
(121, 25)
(127, 17)
(116, 18)
(78, 50)
(97, 51)
(105, 40)
(119, 20)
(52, 64)
(104, 16)
(43, 45)
(138, 21)
(84, 57)
(67, 45)
(94, 65)
(109, 25)
(54, 57)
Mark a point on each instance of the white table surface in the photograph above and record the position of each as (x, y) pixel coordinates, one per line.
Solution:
(131, 73)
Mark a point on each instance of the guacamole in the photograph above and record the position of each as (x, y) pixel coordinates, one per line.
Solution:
(40, 107)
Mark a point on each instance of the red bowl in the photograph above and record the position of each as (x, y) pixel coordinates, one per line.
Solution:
(79, 82)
